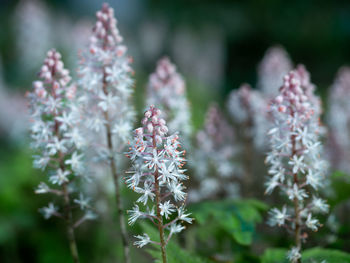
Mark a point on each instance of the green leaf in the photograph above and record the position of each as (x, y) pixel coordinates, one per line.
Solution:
(236, 217)
(314, 255)
(329, 255)
(341, 186)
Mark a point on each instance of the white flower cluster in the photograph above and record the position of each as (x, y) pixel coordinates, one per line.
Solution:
(55, 140)
(166, 89)
(105, 78)
(338, 119)
(215, 157)
(294, 159)
(249, 110)
(156, 175)
(275, 64)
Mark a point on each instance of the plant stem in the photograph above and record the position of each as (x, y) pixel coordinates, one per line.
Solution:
(67, 207)
(69, 224)
(248, 156)
(112, 162)
(159, 216)
(297, 231)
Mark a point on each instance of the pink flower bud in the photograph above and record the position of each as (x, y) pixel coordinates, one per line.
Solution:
(158, 139)
(148, 114)
(279, 99)
(150, 127)
(139, 131)
(155, 119)
(144, 121)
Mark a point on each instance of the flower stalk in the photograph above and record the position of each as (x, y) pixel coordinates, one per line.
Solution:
(105, 77)
(53, 124)
(295, 164)
(157, 174)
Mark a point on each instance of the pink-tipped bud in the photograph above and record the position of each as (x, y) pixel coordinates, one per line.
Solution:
(155, 119)
(158, 139)
(150, 127)
(144, 121)
(279, 99)
(148, 114)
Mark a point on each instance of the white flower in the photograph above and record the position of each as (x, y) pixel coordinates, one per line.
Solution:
(304, 136)
(96, 123)
(134, 214)
(278, 174)
(313, 179)
(75, 162)
(122, 129)
(133, 180)
(60, 177)
(41, 162)
(75, 137)
(107, 102)
(271, 184)
(65, 119)
(49, 211)
(56, 145)
(146, 192)
(312, 223)
(83, 202)
(166, 209)
(143, 240)
(278, 217)
(294, 254)
(182, 216)
(176, 188)
(297, 163)
(175, 228)
(42, 188)
(319, 205)
(167, 173)
(154, 160)
(296, 192)
(53, 104)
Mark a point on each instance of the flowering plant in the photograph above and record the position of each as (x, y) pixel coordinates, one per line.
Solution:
(167, 89)
(338, 118)
(294, 159)
(215, 158)
(104, 102)
(156, 175)
(57, 144)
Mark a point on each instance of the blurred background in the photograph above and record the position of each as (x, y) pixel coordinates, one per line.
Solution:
(216, 45)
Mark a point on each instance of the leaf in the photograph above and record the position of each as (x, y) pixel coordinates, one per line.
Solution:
(314, 255)
(236, 217)
(341, 186)
(330, 255)
(274, 255)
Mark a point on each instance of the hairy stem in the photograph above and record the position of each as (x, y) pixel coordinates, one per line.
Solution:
(112, 162)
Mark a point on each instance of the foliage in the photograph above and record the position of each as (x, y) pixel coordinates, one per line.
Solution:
(340, 184)
(236, 217)
(309, 256)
